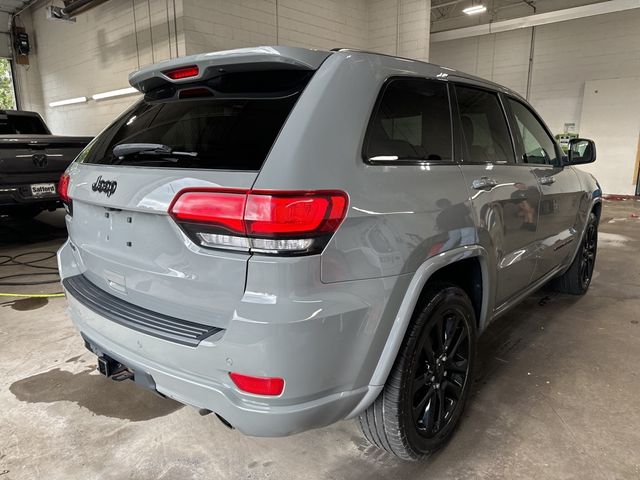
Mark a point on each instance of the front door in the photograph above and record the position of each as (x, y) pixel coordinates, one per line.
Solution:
(505, 196)
(559, 186)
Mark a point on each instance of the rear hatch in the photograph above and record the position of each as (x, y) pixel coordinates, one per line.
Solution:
(212, 129)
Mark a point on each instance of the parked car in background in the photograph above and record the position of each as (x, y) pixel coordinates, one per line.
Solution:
(31, 162)
(289, 237)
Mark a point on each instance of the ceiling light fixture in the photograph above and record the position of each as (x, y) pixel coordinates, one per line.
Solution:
(68, 101)
(472, 10)
(115, 93)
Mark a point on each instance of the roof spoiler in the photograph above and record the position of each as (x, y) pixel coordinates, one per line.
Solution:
(241, 60)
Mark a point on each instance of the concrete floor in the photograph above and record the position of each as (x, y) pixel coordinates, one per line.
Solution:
(557, 394)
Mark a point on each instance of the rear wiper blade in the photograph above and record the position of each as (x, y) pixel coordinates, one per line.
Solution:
(124, 149)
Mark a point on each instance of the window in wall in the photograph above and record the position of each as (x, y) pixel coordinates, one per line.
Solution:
(7, 95)
(412, 122)
(484, 126)
(538, 147)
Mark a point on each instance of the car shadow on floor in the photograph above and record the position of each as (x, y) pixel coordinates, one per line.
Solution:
(101, 396)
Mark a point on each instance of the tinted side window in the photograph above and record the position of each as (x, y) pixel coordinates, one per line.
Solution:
(537, 145)
(484, 126)
(412, 121)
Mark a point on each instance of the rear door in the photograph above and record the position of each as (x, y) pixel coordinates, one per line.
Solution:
(560, 187)
(125, 241)
(505, 196)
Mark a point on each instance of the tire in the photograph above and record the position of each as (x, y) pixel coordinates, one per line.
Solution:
(576, 280)
(396, 422)
(24, 213)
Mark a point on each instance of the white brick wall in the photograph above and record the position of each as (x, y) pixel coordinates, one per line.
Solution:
(93, 55)
(567, 55)
(222, 24)
(28, 84)
(97, 53)
(503, 58)
(406, 36)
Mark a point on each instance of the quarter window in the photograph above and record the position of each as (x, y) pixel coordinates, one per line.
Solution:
(412, 122)
(537, 145)
(484, 126)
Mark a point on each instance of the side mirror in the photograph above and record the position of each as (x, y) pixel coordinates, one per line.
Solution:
(581, 150)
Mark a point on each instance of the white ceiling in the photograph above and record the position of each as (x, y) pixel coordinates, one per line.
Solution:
(11, 6)
(446, 9)
(448, 15)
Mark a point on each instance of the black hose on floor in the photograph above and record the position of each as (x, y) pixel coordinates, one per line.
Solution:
(19, 260)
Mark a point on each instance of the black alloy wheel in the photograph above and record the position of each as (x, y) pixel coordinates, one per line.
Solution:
(588, 254)
(426, 391)
(441, 371)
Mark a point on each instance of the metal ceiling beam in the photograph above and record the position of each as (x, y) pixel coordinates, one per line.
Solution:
(601, 8)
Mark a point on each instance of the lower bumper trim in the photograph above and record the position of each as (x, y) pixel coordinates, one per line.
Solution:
(135, 317)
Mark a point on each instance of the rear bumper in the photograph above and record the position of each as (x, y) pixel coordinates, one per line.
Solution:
(251, 415)
(326, 362)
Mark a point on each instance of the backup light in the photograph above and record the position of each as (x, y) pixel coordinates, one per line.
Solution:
(182, 72)
(472, 10)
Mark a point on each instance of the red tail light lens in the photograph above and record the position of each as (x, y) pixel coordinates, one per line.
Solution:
(221, 209)
(182, 72)
(272, 386)
(260, 221)
(294, 215)
(63, 188)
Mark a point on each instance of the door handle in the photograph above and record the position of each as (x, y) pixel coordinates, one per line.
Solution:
(546, 180)
(484, 183)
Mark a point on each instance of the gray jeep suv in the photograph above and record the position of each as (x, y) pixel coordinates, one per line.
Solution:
(289, 237)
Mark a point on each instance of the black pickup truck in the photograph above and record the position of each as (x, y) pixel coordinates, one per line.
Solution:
(31, 162)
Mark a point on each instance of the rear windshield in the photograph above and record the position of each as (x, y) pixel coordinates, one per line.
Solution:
(199, 127)
(22, 125)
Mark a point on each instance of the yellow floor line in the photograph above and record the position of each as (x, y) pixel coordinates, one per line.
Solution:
(29, 295)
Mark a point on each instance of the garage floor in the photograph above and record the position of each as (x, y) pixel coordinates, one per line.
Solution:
(557, 394)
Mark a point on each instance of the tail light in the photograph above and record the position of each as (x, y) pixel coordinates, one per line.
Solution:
(272, 386)
(63, 191)
(260, 221)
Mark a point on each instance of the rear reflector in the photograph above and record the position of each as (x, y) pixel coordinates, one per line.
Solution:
(182, 72)
(260, 221)
(258, 385)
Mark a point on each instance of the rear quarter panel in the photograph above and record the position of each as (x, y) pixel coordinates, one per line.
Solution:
(398, 215)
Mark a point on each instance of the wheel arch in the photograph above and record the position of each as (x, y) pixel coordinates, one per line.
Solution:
(438, 267)
(595, 208)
